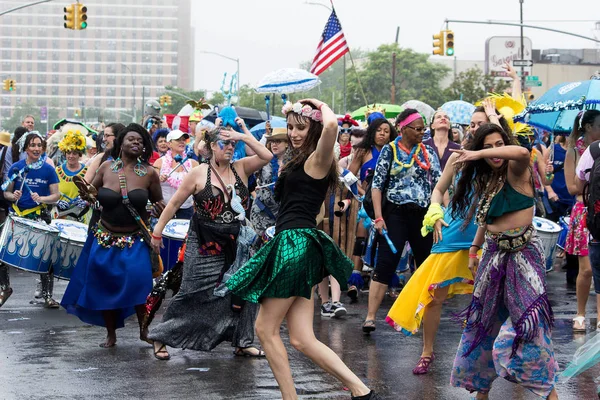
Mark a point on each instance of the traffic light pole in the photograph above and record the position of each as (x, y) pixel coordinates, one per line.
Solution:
(522, 50)
(24, 6)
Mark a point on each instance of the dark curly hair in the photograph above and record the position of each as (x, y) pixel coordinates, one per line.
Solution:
(147, 142)
(16, 151)
(475, 175)
(369, 138)
(589, 116)
(299, 156)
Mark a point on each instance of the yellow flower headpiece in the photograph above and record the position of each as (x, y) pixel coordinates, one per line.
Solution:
(72, 141)
(510, 107)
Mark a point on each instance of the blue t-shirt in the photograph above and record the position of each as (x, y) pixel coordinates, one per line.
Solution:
(559, 185)
(453, 238)
(38, 181)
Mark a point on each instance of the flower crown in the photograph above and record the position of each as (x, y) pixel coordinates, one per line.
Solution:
(302, 109)
(73, 141)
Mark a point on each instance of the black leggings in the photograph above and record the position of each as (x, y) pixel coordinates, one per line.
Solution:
(403, 224)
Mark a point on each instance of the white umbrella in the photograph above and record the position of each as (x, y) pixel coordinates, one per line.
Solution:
(287, 80)
(425, 109)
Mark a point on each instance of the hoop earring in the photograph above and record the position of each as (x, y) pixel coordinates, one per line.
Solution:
(140, 169)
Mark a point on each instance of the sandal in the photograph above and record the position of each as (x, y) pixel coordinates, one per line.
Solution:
(4, 295)
(247, 352)
(51, 303)
(579, 320)
(369, 326)
(423, 365)
(162, 349)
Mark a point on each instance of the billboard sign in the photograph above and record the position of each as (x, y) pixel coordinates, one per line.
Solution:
(500, 50)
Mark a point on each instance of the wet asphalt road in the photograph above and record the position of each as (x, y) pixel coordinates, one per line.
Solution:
(47, 354)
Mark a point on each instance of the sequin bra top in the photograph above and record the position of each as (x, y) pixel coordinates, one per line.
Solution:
(212, 204)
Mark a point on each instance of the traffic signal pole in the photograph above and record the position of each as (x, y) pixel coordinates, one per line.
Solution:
(24, 6)
(522, 49)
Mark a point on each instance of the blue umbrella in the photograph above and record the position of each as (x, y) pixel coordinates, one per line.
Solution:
(459, 111)
(259, 130)
(557, 108)
(287, 80)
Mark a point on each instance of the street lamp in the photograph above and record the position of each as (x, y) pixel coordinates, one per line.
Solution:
(133, 93)
(237, 60)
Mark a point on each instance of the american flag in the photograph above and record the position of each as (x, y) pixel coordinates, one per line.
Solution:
(331, 47)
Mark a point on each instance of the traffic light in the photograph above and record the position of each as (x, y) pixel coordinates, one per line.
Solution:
(165, 100)
(6, 84)
(449, 43)
(70, 16)
(438, 44)
(169, 102)
(12, 85)
(81, 16)
(77, 112)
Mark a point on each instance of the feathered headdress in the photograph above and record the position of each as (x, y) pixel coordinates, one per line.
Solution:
(73, 140)
(510, 107)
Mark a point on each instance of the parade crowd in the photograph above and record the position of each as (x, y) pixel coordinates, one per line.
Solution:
(250, 231)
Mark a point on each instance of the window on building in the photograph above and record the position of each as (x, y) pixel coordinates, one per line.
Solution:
(97, 102)
(111, 80)
(83, 56)
(41, 90)
(146, 80)
(160, 47)
(71, 56)
(98, 57)
(82, 67)
(112, 57)
(55, 79)
(29, 90)
(41, 68)
(41, 102)
(97, 92)
(146, 69)
(82, 79)
(70, 102)
(111, 69)
(123, 103)
(55, 67)
(55, 43)
(97, 80)
(174, 46)
(82, 90)
(70, 79)
(110, 103)
(110, 91)
(70, 67)
(70, 90)
(54, 90)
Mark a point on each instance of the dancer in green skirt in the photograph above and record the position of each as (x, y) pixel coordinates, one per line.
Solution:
(281, 276)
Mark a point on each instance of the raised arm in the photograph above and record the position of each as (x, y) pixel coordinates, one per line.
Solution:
(251, 163)
(324, 152)
(517, 93)
(517, 156)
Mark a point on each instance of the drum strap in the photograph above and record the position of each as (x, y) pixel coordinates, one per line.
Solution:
(37, 210)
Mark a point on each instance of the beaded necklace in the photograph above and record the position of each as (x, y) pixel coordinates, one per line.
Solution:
(413, 156)
(60, 171)
(486, 200)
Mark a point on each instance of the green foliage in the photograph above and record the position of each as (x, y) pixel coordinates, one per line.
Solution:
(30, 108)
(473, 85)
(178, 98)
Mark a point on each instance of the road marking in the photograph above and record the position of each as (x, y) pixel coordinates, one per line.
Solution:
(198, 369)
(84, 369)
(10, 312)
(14, 333)
(18, 319)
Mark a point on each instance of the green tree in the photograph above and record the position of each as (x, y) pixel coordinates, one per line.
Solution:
(179, 97)
(473, 85)
(416, 78)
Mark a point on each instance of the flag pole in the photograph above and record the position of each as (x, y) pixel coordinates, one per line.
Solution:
(362, 91)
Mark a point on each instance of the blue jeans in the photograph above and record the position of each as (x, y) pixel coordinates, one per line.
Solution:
(594, 254)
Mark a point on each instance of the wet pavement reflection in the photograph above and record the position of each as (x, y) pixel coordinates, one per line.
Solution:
(47, 354)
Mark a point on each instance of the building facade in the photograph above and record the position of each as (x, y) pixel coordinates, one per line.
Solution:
(130, 51)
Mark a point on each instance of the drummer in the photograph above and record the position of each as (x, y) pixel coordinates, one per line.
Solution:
(70, 205)
(32, 186)
(173, 167)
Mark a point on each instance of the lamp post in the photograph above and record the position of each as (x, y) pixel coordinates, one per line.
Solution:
(237, 60)
(133, 92)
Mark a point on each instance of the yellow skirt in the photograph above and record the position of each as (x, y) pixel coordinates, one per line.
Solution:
(439, 270)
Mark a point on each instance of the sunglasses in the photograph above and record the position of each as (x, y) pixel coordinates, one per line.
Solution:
(223, 143)
(419, 129)
(345, 130)
(278, 141)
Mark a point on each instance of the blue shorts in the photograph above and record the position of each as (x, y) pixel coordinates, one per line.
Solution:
(594, 253)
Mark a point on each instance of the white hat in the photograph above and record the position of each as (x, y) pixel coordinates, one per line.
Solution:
(176, 134)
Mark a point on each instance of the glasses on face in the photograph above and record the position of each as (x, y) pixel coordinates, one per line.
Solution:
(345, 130)
(278, 141)
(224, 143)
(420, 129)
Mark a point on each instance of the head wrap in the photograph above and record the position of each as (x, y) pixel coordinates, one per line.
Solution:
(411, 118)
(373, 116)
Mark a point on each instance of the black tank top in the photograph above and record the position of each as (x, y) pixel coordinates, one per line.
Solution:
(114, 211)
(301, 200)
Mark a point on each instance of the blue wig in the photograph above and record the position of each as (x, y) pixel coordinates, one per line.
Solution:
(228, 115)
(163, 132)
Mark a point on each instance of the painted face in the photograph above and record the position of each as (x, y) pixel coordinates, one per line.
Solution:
(34, 149)
(133, 144)
(223, 149)
(440, 121)
(477, 119)
(29, 123)
(72, 157)
(178, 145)
(492, 141)
(414, 131)
(108, 138)
(278, 146)
(382, 136)
(297, 130)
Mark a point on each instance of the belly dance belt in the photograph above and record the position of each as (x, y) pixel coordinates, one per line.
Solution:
(107, 238)
(513, 239)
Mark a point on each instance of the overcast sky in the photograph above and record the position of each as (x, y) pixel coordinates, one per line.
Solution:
(271, 34)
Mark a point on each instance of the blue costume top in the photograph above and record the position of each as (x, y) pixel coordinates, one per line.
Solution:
(37, 180)
(453, 238)
(364, 170)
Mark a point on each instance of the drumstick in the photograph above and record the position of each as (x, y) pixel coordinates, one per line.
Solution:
(179, 165)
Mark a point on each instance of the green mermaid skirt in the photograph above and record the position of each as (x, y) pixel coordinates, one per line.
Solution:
(290, 265)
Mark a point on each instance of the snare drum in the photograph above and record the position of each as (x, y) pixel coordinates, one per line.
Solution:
(548, 232)
(564, 223)
(27, 244)
(66, 253)
(173, 236)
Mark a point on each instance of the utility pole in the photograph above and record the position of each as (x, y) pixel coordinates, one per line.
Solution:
(522, 49)
(393, 94)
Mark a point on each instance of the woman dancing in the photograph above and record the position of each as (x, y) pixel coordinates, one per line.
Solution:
(113, 275)
(283, 273)
(508, 323)
(197, 318)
